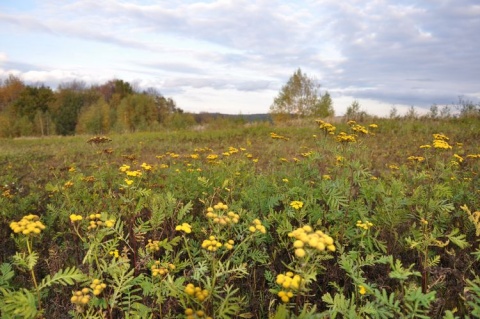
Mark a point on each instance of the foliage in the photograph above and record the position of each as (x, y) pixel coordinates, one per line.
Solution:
(241, 222)
(301, 97)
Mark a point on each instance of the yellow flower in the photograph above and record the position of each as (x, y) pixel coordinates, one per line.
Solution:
(300, 252)
(128, 181)
(74, 218)
(134, 173)
(184, 227)
(362, 290)
(146, 167)
(124, 168)
(296, 204)
(28, 225)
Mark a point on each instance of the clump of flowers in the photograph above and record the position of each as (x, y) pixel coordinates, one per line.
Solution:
(80, 297)
(296, 204)
(146, 167)
(159, 270)
(97, 286)
(308, 239)
(152, 246)
(359, 129)
(136, 173)
(326, 127)
(95, 221)
(211, 244)
(290, 283)
(441, 141)
(257, 226)
(185, 227)
(28, 225)
(216, 214)
(229, 244)
(114, 253)
(192, 314)
(364, 224)
(124, 168)
(343, 137)
(212, 157)
(196, 292)
(75, 218)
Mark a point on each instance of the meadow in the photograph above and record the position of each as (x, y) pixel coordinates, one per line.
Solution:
(309, 219)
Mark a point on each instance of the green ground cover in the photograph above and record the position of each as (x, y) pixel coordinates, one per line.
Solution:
(259, 221)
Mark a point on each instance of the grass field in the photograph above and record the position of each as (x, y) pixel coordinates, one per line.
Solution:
(255, 221)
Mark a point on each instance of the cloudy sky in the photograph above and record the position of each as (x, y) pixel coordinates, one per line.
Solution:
(233, 56)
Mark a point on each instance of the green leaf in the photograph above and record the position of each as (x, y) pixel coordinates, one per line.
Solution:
(458, 240)
(21, 303)
(7, 273)
(63, 277)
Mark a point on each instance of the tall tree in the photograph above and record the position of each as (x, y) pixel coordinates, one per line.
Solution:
(300, 97)
(65, 110)
(323, 107)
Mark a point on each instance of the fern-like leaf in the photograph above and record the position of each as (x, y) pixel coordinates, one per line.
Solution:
(7, 273)
(18, 304)
(63, 277)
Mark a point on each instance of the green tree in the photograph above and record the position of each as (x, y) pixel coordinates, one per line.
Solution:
(95, 118)
(324, 106)
(137, 112)
(65, 110)
(301, 97)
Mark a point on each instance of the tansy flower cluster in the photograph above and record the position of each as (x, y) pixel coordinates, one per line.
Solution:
(296, 204)
(114, 253)
(197, 292)
(95, 221)
(146, 167)
(365, 225)
(214, 213)
(257, 226)
(290, 283)
(158, 269)
(192, 314)
(359, 128)
(97, 286)
(211, 244)
(152, 246)
(326, 127)
(307, 238)
(81, 297)
(28, 225)
(185, 227)
(75, 218)
(343, 137)
(440, 141)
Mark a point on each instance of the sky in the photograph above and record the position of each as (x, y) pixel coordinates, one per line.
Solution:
(234, 56)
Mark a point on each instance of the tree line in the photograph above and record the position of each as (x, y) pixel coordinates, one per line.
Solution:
(75, 108)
